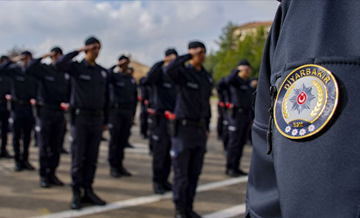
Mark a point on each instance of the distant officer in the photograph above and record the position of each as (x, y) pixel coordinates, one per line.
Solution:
(23, 93)
(164, 102)
(123, 100)
(51, 102)
(310, 63)
(192, 113)
(240, 115)
(5, 88)
(144, 105)
(224, 104)
(89, 108)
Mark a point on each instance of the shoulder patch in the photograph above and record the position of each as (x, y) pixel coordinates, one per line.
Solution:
(306, 101)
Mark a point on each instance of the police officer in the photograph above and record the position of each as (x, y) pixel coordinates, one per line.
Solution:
(164, 102)
(224, 103)
(89, 107)
(123, 100)
(52, 100)
(305, 161)
(192, 112)
(144, 105)
(5, 88)
(240, 115)
(23, 93)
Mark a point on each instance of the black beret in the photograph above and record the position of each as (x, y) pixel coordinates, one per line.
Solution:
(27, 53)
(171, 51)
(196, 44)
(2, 58)
(244, 62)
(91, 40)
(122, 57)
(57, 50)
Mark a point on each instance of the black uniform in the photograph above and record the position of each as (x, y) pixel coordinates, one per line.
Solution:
(239, 118)
(224, 97)
(89, 108)
(317, 176)
(192, 111)
(145, 95)
(5, 87)
(123, 100)
(54, 90)
(24, 88)
(164, 93)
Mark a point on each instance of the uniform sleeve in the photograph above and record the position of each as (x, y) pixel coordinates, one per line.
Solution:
(174, 69)
(107, 100)
(154, 74)
(231, 79)
(65, 63)
(4, 66)
(220, 88)
(33, 67)
(262, 198)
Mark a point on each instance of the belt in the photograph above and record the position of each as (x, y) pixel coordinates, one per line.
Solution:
(123, 106)
(200, 123)
(79, 111)
(242, 110)
(22, 102)
(50, 106)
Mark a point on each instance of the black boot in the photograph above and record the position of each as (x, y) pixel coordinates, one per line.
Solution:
(44, 182)
(167, 186)
(28, 166)
(192, 214)
(181, 214)
(114, 172)
(18, 166)
(5, 154)
(241, 173)
(92, 198)
(55, 181)
(76, 200)
(159, 188)
(232, 173)
(123, 171)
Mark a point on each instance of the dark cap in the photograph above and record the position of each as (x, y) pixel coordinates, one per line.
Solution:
(171, 51)
(4, 58)
(196, 44)
(244, 62)
(122, 57)
(57, 50)
(91, 40)
(27, 53)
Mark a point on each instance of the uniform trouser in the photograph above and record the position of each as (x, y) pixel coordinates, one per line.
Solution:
(161, 151)
(188, 152)
(120, 124)
(22, 128)
(4, 121)
(220, 122)
(225, 132)
(86, 131)
(238, 129)
(50, 126)
(143, 120)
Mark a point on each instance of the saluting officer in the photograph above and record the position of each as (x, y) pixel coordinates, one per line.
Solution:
(52, 99)
(164, 102)
(240, 115)
(144, 105)
(89, 107)
(5, 88)
(193, 114)
(123, 101)
(23, 95)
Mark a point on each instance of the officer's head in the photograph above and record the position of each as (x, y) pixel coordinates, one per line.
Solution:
(94, 52)
(200, 56)
(27, 57)
(4, 59)
(123, 62)
(56, 53)
(170, 55)
(245, 69)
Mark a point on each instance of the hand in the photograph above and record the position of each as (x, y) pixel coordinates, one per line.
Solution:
(64, 106)
(169, 58)
(122, 62)
(18, 58)
(195, 51)
(8, 97)
(105, 127)
(32, 101)
(47, 55)
(87, 48)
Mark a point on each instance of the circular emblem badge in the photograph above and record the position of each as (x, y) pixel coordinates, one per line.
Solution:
(306, 101)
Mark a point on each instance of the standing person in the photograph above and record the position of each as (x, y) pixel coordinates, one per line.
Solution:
(123, 100)
(89, 108)
(53, 96)
(224, 104)
(5, 88)
(23, 94)
(144, 105)
(164, 102)
(240, 115)
(193, 114)
(305, 161)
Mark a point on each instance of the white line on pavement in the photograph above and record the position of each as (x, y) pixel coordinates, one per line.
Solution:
(228, 213)
(138, 201)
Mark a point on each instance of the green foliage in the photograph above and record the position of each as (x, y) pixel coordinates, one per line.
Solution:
(234, 48)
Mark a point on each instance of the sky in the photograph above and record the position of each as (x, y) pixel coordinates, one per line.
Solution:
(144, 29)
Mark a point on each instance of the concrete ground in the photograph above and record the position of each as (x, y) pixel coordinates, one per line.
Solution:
(218, 195)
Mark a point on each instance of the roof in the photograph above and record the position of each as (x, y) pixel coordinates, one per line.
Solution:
(254, 25)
